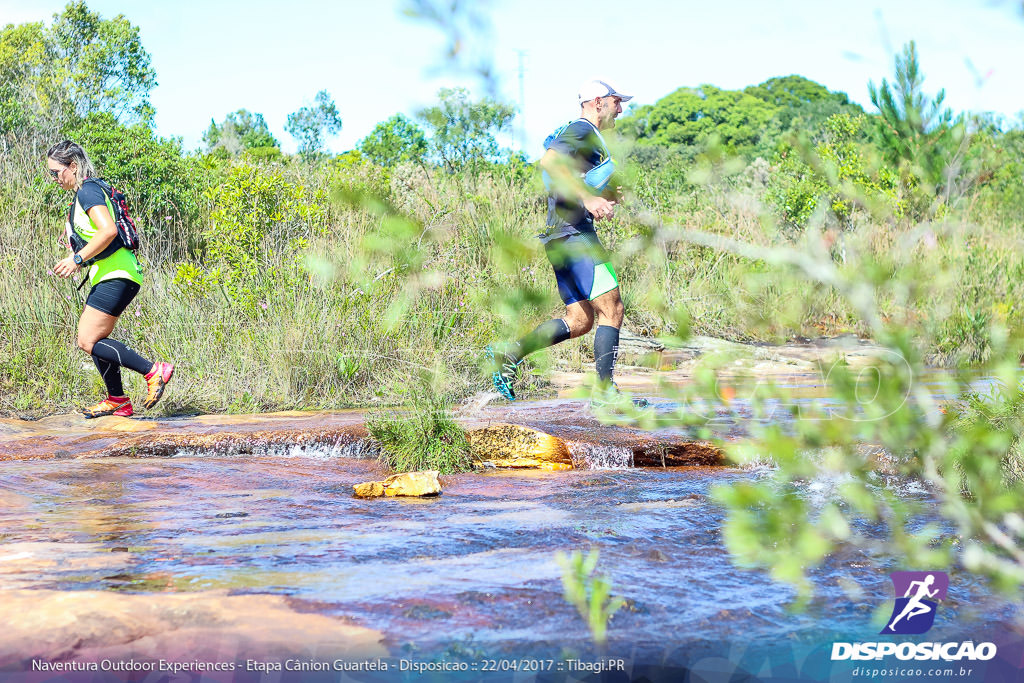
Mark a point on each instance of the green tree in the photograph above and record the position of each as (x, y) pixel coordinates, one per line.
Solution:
(794, 91)
(464, 132)
(241, 131)
(803, 105)
(310, 125)
(30, 98)
(394, 141)
(915, 132)
(53, 77)
(105, 66)
(696, 116)
(752, 122)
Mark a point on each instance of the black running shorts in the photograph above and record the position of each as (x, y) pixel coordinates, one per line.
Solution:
(112, 296)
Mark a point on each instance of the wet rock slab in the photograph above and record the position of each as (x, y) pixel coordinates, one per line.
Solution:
(581, 434)
(73, 436)
(555, 434)
(808, 361)
(94, 625)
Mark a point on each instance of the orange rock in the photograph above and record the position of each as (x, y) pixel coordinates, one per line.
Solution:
(509, 445)
(405, 484)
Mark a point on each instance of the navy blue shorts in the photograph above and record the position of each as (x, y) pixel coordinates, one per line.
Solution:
(112, 296)
(582, 267)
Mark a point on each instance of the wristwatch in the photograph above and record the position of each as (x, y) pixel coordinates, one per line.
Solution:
(78, 259)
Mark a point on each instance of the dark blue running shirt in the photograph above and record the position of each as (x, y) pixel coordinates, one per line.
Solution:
(566, 216)
(89, 195)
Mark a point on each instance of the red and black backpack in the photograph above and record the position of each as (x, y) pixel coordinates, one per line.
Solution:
(127, 233)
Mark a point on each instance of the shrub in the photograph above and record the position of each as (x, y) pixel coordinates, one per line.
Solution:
(259, 224)
(833, 178)
(424, 438)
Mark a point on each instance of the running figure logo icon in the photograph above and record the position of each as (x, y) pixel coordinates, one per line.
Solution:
(914, 613)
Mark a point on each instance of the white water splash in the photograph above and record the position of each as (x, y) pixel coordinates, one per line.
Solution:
(588, 456)
(364, 449)
(472, 406)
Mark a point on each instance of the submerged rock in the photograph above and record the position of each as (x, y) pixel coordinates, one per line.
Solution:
(406, 484)
(509, 445)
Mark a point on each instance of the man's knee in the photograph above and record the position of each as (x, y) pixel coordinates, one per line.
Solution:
(579, 323)
(610, 310)
(85, 344)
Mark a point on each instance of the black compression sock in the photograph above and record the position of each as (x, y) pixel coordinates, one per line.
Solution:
(117, 353)
(111, 375)
(546, 334)
(606, 351)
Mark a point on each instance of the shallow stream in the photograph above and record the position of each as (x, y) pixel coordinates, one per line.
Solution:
(469, 574)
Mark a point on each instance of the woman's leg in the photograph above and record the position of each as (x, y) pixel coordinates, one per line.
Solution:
(105, 303)
(102, 310)
(93, 326)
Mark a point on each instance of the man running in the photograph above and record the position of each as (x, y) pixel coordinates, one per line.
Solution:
(577, 167)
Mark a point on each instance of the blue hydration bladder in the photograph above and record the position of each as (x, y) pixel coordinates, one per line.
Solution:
(599, 176)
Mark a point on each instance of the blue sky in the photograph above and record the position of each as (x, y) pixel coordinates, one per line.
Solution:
(212, 58)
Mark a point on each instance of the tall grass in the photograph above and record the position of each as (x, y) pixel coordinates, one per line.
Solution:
(424, 436)
(333, 323)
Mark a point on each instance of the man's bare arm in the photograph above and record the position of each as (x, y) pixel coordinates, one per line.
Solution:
(566, 181)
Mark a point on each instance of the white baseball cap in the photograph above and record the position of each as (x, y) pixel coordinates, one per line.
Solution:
(591, 90)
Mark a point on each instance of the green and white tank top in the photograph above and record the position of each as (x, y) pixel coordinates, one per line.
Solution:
(121, 264)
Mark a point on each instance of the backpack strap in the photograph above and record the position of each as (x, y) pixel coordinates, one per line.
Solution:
(103, 187)
(604, 146)
(117, 242)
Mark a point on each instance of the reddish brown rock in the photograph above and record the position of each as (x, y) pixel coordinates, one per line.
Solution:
(535, 434)
(93, 625)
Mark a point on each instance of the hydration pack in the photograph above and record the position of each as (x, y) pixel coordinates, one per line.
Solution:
(596, 177)
(127, 233)
(551, 138)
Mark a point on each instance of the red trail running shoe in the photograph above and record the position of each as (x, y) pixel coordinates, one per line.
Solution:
(156, 380)
(120, 406)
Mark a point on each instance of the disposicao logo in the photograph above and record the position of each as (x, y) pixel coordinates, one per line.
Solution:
(917, 597)
(914, 613)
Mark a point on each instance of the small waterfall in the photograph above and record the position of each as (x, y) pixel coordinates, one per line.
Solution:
(363, 449)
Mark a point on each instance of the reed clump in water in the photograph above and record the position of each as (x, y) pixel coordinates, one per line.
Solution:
(986, 428)
(422, 437)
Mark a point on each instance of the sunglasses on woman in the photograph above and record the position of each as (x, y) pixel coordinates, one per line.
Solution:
(54, 174)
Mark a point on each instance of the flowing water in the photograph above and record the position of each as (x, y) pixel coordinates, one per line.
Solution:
(467, 575)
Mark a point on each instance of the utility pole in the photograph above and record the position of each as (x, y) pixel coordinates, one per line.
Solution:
(522, 102)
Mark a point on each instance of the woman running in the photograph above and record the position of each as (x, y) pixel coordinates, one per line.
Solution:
(114, 275)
